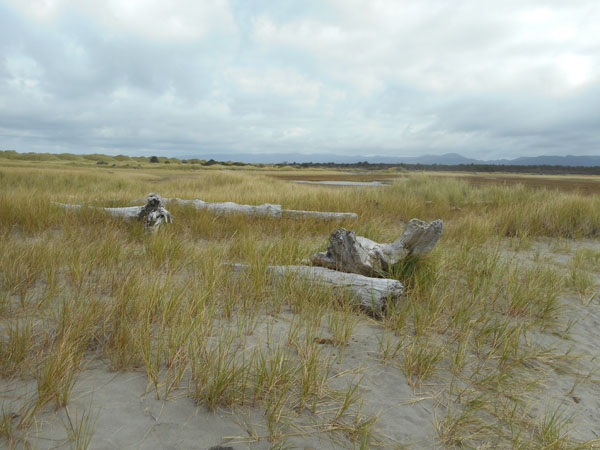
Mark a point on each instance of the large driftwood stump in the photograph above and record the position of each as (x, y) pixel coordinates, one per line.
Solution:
(371, 294)
(356, 254)
(153, 213)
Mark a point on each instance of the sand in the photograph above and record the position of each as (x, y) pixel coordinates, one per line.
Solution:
(129, 417)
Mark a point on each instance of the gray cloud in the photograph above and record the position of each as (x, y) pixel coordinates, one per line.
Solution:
(386, 77)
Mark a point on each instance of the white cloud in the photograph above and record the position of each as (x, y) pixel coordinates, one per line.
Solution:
(177, 20)
(577, 69)
(277, 82)
(42, 10)
(378, 76)
(172, 20)
(469, 46)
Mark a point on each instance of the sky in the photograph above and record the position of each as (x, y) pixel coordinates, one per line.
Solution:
(486, 79)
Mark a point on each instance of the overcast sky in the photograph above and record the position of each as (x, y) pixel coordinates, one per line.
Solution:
(487, 79)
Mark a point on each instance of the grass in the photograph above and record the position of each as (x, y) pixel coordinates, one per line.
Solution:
(419, 361)
(58, 371)
(78, 286)
(8, 425)
(80, 429)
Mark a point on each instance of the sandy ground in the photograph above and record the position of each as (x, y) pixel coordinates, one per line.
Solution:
(577, 393)
(129, 417)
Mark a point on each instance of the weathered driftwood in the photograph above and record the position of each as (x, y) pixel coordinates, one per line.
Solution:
(371, 294)
(153, 213)
(326, 215)
(356, 254)
(266, 209)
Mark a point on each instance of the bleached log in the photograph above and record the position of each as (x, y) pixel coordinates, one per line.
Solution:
(371, 294)
(266, 209)
(356, 254)
(67, 205)
(127, 212)
(299, 214)
(153, 213)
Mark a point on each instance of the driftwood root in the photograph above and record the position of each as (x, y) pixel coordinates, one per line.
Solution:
(153, 213)
(356, 254)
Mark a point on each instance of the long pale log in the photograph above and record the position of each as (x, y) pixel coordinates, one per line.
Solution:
(325, 215)
(356, 254)
(153, 213)
(266, 209)
(127, 212)
(371, 294)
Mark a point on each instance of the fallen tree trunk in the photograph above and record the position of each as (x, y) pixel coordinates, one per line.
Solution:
(371, 294)
(326, 215)
(356, 254)
(153, 213)
(266, 209)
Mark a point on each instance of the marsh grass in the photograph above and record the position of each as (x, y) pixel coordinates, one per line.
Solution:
(58, 371)
(78, 285)
(552, 429)
(80, 428)
(15, 353)
(341, 325)
(420, 360)
(217, 373)
(583, 266)
(8, 425)
(388, 346)
(314, 373)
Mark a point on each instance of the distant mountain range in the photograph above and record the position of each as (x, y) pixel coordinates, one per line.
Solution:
(455, 158)
(445, 159)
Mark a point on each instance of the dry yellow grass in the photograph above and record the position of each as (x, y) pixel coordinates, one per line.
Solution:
(79, 286)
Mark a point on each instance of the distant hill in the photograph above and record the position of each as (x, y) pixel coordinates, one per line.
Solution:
(445, 159)
(455, 158)
(569, 160)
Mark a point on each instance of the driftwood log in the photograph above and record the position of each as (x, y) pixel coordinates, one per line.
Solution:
(356, 254)
(325, 215)
(266, 209)
(371, 294)
(153, 213)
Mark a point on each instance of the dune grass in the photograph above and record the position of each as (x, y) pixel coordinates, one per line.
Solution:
(79, 285)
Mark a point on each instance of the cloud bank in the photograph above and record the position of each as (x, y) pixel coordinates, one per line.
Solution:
(486, 79)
